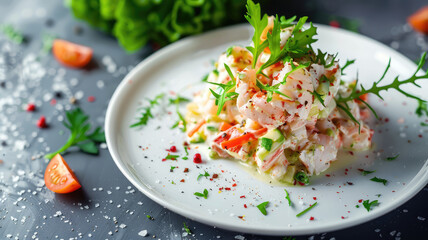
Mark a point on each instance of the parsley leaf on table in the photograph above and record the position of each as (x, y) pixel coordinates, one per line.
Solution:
(206, 174)
(79, 136)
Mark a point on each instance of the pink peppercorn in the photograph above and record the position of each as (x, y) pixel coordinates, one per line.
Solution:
(197, 158)
(41, 123)
(31, 107)
(173, 149)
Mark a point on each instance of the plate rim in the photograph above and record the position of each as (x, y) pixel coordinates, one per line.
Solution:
(108, 126)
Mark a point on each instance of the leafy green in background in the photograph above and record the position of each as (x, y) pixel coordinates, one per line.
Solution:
(136, 22)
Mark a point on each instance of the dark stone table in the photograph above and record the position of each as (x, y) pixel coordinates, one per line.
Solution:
(108, 206)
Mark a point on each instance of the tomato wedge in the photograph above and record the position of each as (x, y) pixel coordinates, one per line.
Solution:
(419, 20)
(59, 177)
(71, 54)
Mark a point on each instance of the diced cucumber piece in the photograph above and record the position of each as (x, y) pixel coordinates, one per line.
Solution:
(269, 143)
(289, 174)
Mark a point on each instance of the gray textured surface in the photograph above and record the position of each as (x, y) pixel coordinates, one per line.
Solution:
(107, 199)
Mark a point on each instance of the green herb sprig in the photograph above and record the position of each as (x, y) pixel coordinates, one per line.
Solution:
(306, 210)
(225, 94)
(77, 123)
(376, 89)
(259, 23)
(146, 114)
(287, 196)
(176, 101)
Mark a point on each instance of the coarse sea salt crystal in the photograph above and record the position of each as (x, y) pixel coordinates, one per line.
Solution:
(122, 225)
(143, 233)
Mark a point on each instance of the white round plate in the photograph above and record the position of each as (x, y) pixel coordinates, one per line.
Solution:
(179, 68)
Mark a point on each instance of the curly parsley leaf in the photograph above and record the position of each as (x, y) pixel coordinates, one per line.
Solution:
(376, 89)
(422, 109)
(368, 205)
(146, 114)
(306, 210)
(347, 64)
(270, 90)
(259, 23)
(77, 123)
(285, 23)
(380, 180)
(262, 207)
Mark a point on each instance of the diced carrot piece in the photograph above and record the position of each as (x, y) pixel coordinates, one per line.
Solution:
(419, 20)
(196, 128)
(224, 126)
(241, 140)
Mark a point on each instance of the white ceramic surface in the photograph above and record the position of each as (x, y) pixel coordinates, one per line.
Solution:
(180, 67)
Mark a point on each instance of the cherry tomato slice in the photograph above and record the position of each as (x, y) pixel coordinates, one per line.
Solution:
(59, 177)
(71, 54)
(419, 20)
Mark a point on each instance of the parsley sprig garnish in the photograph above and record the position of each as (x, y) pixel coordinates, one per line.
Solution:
(259, 23)
(186, 228)
(146, 113)
(376, 89)
(205, 174)
(79, 136)
(176, 101)
(392, 158)
(287, 196)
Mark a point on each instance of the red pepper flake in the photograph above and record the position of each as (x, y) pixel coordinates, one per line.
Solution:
(386, 119)
(186, 170)
(420, 135)
(91, 99)
(227, 189)
(220, 189)
(215, 175)
(53, 101)
(299, 106)
(346, 169)
(241, 217)
(234, 185)
(243, 196)
(301, 184)
(343, 217)
(182, 180)
(245, 205)
(351, 152)
(300, 95)
(173, 149)
(327, 175)
(334, 24)
(31, 107)
(41, 123)
(163, 160)
(312, 218)
(222, 171)
(299, 87)
(315, 198)
(360, 201)
(197, 158)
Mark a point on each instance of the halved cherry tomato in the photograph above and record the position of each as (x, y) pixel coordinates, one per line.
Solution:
(419, 20)
(71, 54)
(59, 177)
